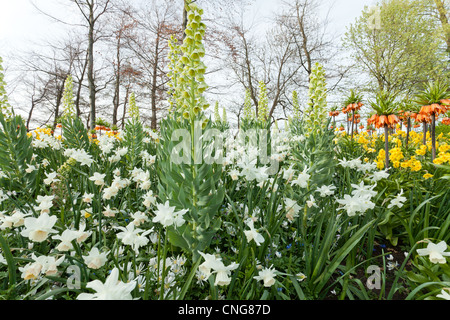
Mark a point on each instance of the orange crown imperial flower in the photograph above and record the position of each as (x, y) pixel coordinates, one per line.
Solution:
(435, 109)
(423, 117)
(383, 120)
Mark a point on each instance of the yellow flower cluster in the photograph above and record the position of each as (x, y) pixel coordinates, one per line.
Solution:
(414, 164)
(427, 176)
(444, 154)
(113, 134)
(396, 155)
(422, 150)
(362, 139)
(38, 131)
(380, 159)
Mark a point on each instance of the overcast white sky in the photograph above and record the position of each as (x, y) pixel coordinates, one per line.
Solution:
(21, 24)
(22, 27)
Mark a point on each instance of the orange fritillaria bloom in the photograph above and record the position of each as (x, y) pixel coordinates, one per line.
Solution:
(435, 109)
(422, 117)
(334, 113)
(446, 121)
(383, 120)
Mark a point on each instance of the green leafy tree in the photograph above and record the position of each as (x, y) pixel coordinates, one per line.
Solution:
(399, 52)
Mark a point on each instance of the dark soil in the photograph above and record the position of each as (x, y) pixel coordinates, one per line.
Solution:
(397, 259)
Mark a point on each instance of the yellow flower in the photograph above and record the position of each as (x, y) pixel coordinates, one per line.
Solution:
(444, 148)
(380, 165)
(421, 151)
(428, 176)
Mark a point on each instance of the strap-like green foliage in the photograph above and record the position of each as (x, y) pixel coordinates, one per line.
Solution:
(384, 103)
(16, 152)
(133, 140)
(316, 152)
(75, 134)
(433, 92)
(189, 186)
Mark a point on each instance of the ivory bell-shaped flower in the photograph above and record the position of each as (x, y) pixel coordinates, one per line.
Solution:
(112, 289)
(252, 234)
(38, 229)
(436, 252)
(267, 275)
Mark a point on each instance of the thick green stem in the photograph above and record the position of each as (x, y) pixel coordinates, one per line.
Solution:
(425, 127)
(408, 129)
(433, 137)
(386, 145)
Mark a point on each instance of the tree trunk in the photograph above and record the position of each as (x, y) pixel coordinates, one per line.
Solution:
(127, 93)
(33, 104)
(58, 104)
(116, 98)
(154, 123)
(444, 21)
(91, 66)
(80, 82)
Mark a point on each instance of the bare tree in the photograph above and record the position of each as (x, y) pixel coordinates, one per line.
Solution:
(155, 23)
(92, 10)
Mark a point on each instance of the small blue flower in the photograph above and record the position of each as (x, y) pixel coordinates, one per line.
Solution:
(279, 289)
(289, 246)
